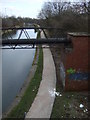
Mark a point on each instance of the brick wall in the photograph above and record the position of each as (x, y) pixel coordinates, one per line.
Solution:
(75, 60)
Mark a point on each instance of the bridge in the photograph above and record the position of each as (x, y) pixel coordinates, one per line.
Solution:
(58, 37)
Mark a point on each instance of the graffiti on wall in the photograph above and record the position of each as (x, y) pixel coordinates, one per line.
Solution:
(77, 75)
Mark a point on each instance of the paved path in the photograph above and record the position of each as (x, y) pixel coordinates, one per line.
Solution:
(43, 103)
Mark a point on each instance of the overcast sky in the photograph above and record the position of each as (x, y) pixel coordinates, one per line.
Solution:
(23, 8)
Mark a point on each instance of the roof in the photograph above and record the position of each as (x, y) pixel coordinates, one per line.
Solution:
(79, 34)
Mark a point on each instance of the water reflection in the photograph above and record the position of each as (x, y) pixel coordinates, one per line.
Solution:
(15, 69)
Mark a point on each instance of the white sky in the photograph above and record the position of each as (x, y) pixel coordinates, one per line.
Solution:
(23, 8)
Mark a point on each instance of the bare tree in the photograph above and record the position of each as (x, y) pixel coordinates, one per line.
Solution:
(70, 16)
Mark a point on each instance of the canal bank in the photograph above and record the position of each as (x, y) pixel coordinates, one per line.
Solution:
(16, 65)
(24, 86)
(29, 91)
(45, 90)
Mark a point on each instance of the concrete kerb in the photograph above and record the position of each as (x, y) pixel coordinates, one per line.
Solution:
(43, 103)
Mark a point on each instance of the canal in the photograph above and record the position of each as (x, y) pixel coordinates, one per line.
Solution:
(16, 65)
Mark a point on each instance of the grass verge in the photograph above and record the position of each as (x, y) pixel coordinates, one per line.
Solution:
(67, 105)
(30, 93)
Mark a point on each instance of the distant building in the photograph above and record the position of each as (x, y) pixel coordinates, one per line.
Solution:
(74, 64)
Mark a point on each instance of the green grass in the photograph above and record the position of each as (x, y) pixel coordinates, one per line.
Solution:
(29, 95)
(67, 105)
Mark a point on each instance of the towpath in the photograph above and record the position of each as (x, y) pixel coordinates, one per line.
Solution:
(43, 103)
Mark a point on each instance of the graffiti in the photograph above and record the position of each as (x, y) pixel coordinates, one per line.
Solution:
(78, 76)
(71, 71)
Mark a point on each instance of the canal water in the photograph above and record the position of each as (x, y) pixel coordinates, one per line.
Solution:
(16, 65)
